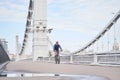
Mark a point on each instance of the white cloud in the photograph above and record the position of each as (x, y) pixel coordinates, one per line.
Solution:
(12, 15)
(12, 12)
(25, 1)
(79, 14)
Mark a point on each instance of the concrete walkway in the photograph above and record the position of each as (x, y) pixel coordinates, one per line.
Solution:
(113, 73)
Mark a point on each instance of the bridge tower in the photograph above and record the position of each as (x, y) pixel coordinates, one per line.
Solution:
(40, 39)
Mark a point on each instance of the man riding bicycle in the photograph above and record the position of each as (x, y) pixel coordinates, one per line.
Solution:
(56, 50)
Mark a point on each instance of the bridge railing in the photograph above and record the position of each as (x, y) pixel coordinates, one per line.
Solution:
(3, 54)
(83, 59)
(91, 59)
(113, 59)
(4, 59)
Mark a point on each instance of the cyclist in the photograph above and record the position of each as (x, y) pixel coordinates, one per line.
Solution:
(56, 48)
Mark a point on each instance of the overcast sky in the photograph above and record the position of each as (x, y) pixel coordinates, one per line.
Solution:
(74, 22)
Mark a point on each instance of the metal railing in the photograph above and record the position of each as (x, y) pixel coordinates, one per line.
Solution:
(91, 59)
(3, 54)
(4, 59)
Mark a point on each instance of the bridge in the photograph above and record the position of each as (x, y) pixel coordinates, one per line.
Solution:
(94, 61)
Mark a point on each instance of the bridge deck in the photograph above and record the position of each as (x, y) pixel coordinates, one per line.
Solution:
(112, 73)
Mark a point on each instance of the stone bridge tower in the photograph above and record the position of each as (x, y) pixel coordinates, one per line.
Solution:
(40, 39)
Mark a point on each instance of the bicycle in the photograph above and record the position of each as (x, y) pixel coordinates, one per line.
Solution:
(57, 57)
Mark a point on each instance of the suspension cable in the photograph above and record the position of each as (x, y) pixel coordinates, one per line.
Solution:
(28, 26)
(110, 24)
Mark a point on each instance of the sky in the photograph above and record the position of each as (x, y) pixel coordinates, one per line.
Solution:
(74, 22)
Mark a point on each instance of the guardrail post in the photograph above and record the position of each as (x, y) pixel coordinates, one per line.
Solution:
(95, 61)
(71, 58)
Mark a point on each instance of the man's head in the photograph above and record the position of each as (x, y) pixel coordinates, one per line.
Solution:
(57, 42)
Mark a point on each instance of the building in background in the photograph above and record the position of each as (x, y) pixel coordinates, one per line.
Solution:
(115, 46)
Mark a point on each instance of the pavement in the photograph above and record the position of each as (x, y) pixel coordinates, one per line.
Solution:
(113, 73)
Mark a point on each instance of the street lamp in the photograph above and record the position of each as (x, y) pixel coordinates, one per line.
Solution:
(49, 30)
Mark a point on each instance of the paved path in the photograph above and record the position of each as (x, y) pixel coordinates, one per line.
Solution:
(112, 73)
